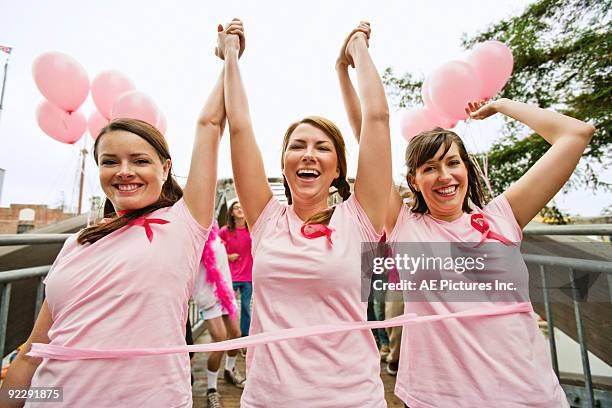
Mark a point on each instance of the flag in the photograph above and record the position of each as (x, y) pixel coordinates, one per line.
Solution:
(6, 49)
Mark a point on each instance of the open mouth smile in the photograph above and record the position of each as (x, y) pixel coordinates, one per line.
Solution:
(308, 174)
(448, 191)
(127, 188)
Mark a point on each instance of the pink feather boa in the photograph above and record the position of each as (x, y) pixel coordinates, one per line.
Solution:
(214, 277)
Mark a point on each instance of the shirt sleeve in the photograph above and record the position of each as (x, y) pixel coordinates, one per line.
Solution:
(368, 233)
(500, 207)
(402, 218)
(268, 216)
(70, 241)
(181, 210)
(223, 235)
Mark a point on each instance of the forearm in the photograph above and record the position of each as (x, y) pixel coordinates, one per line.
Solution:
(548, 124)
(213, 112)
(371, 91)
(18, 377)
(237, 105)
(200, 188)
(247, 164)
(350, 99)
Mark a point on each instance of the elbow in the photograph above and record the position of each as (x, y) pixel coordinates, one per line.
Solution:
(587, 131)
(209, 122)
(379, 115)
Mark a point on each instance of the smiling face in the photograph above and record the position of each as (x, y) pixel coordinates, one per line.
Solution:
(131, 172)
(237, 211)
(310, 164)
(443, 183)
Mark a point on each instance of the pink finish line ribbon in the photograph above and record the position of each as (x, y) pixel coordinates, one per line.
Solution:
(71, 353)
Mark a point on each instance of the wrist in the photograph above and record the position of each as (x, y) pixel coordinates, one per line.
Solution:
(341, 65)
(500, 104)
(231, 51)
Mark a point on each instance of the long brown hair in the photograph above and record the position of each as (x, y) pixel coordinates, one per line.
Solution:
(171, 191)
(231, 221)
(342, 186)
(423, 147)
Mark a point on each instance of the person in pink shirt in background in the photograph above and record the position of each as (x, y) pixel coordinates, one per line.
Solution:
(237, 241)
(126, 282)
(306, 255)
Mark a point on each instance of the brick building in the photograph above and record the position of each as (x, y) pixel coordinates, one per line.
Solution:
(20, 218)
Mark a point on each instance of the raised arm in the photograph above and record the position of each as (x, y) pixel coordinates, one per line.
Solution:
(201, 186)
(349, 95)
(249, 173)
(369, 119)
(568, 137)
(21, 371)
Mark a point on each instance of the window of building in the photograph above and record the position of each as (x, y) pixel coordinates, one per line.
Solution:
(21, 228)
(27, 214)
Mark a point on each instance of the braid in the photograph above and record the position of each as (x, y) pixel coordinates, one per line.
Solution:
(287, 191)
(323, 217)
(344, 188)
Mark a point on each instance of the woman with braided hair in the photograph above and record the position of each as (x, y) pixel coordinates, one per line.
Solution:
(306, 254)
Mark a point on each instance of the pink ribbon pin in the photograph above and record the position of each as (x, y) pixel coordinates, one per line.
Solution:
(145, 222)
(479, 222)
(312, 231)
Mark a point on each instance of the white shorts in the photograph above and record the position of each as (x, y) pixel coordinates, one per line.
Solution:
(215, 311)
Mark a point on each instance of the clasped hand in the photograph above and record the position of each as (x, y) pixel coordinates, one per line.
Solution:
(231, 38)
(361, 33)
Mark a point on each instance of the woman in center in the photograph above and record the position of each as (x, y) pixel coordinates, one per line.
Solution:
(306, 254)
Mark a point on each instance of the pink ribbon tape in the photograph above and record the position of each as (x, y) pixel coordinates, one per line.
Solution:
(70, 353)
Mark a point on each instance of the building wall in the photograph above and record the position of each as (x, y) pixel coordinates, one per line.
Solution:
(10, 222)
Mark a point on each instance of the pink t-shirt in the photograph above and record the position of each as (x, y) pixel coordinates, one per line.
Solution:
(498, 361)
(239, 242)
(300, 282)
(124, 292)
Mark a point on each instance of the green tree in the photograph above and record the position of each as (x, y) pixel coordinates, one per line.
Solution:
(562, 60)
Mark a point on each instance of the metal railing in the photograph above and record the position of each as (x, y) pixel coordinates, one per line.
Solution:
(8, 278)
(571, 265)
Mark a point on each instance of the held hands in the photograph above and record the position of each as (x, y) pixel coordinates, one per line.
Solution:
(233, 257)
(481, 109)
(230, 38)
(361, 33)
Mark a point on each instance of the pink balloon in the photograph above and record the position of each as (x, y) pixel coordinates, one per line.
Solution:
(60, 125)
(415, 121)
(451, 123)
(162, 125)
(451, 87)
(107, 87)
(96, 122)
(61, 79)
(136, 105)
(492, 61)
(425, 93)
